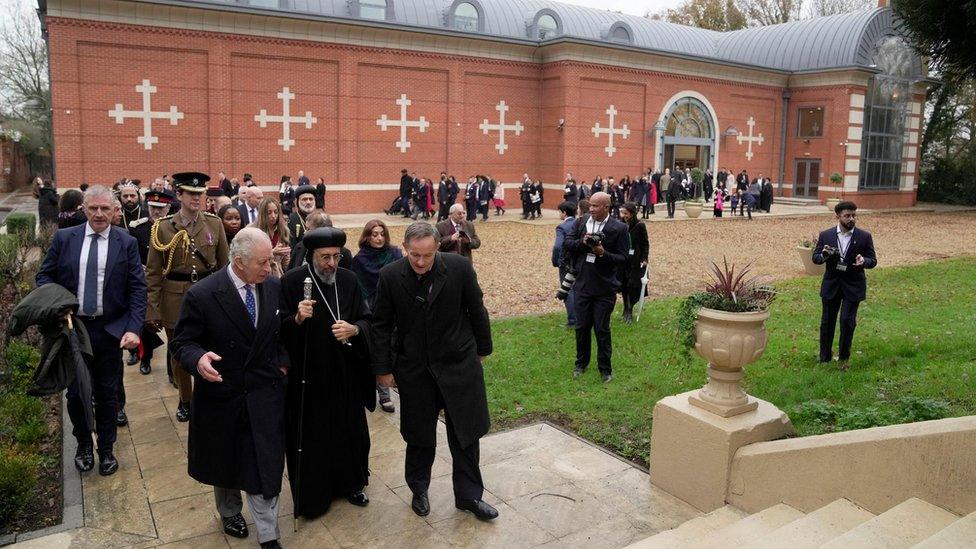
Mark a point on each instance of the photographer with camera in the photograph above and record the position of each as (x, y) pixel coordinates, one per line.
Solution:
(847, 251)
(567, 272)
(597, 250)
(457, 234)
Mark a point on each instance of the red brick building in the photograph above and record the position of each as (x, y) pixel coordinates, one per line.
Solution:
(355, 90)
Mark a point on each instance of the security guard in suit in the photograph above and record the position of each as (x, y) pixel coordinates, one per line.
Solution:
(184, 248)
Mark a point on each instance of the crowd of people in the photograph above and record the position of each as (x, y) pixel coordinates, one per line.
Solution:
(274, 325)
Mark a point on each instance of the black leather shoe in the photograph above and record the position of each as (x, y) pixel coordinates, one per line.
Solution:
(235, 526)
(133, 358)
(145, 368)
(358, 498)
(420, 504)
(477, 506)
(607, 378)
(577, 372)
(84, 457)
(121, 419)
(107, 464)
(273, 544)
(183, 413)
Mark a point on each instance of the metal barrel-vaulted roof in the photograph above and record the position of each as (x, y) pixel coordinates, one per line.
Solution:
(845, 40)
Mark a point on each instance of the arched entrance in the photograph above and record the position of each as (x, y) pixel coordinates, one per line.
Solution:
(688, 140)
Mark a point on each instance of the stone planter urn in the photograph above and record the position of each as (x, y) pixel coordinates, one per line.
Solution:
(832, 202)
(806, 256)
(693, 208)
(728, 341)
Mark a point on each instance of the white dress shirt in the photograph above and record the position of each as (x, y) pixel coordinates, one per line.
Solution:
(843, 241)
(83, 265)
(241, 285)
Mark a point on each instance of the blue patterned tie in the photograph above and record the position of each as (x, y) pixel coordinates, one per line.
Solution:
(90, 306)
(249, 303)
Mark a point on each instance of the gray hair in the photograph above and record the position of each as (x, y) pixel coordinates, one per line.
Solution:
(99, 192)
(420, 229)
(245, 240)
(457, 208)
(316, 219)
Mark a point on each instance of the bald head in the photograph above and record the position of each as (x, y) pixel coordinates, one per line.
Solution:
(599, 206)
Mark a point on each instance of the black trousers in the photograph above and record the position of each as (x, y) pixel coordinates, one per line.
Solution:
(593, 312)
(466, 472)
(483, 210)
(671, 202)
(472, 211)
(828, 321)
(105, 366)
(443, 212)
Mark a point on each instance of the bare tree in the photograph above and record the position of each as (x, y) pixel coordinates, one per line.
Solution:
(770, 12)
(25, 92)
(820, 8)
(720, 15)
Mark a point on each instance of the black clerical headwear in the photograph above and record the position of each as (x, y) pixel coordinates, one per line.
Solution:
(324, 237)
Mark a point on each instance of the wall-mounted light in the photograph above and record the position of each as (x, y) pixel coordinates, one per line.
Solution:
(562, 122)
(660, 126)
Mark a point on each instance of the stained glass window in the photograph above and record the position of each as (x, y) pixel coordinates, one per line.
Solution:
(689, 119)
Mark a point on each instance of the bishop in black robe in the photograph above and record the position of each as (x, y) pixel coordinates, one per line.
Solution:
(329, 422)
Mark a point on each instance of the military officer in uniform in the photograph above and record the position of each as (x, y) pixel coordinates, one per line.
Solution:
(158, 203)
(184, 248)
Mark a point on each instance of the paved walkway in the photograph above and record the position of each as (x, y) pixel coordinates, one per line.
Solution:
(550, 488)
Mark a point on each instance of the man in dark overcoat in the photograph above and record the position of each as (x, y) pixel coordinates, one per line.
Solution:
(847, 252)
(433, 301)
(227, 337)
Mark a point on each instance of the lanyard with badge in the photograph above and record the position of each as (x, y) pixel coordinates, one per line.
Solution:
(841, 265)
(594, 228)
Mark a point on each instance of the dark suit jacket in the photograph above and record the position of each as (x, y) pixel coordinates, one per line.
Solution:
(237, 432)
(437, 347)
(242, 210)
(462, 246)
(852, 282)
(124, 291)
(602, 277)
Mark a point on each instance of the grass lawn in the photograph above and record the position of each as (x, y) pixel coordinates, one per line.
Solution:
(914, 359)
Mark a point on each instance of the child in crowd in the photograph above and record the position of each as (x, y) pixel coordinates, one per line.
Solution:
(719, 203)
(735, 202)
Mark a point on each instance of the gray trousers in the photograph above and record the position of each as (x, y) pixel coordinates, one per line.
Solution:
(265, 511)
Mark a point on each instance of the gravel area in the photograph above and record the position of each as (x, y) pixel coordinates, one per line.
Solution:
(515, 273)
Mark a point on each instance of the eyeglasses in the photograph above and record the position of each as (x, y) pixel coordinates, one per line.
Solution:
(332, 258)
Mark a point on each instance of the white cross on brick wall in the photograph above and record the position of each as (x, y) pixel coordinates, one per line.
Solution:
(422, 124)
(750, 139)
(611, 131)
(501, 127)
(286, 119)
(146, 114)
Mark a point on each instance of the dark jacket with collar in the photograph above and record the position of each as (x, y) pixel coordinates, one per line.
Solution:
(124, 290)
(237, 431)
(437, 347)
(852, 282)
(602, 277)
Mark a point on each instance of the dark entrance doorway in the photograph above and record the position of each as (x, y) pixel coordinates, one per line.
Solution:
(687, 156)
(807, 178)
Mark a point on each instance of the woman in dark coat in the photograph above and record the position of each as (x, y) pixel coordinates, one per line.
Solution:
(636, 259)
(47, 204)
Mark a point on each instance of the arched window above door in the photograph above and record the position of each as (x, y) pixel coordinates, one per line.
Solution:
(689, 118)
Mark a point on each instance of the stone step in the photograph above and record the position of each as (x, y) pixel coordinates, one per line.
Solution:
(958, 535)
(902, 526)
(795, 201)
(692, 530)
(814, 529)
(749, 528)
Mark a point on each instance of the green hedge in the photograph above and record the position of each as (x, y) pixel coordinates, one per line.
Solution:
(18, 477)
(21, 223)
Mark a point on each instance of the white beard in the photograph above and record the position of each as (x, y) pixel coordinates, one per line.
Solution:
(327, 278)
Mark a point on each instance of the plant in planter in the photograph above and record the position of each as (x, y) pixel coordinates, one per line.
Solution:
(837, 179)
(695, 204)
(805, 250)
(726, 325)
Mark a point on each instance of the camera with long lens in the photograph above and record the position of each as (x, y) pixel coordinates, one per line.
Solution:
(566, 285)
(594, 239)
